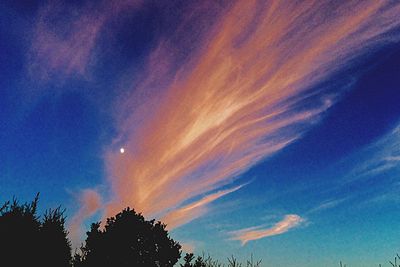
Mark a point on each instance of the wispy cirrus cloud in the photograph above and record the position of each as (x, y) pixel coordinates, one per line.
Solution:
(289, 222)
(382, 156)
(379, 161)
(244, 95)
(242, 98)
(328, 204)
(193, 210)
(64, 37)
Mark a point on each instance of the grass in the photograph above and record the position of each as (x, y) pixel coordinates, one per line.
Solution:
(207, 261)
(394, 263)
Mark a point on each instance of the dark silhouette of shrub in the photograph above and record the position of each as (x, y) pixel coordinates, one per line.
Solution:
(25, 240)
(54, 238)
(188, 260)
(207, 261)
(199, 262)
(128, 240)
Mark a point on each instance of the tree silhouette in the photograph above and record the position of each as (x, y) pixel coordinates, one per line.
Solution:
(188, 260)
(128, 240)
(25, 240)
(54, 238)
(200, 261)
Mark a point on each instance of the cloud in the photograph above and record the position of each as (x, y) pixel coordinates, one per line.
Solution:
(383, 156)
(65, 37)
(329, 204)
(188, 247)
(247, 91)
(289, 222)
(89, 202)
(193, 210)
(379, 161)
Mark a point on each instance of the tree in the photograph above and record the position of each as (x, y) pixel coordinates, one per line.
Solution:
(25, 240)
(188, 260)
(200, 261)
(54, 238)
(128, 240)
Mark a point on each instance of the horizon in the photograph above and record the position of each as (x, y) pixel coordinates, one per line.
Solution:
(264, 128)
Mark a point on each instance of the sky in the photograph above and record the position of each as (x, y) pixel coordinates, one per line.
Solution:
(265, 128)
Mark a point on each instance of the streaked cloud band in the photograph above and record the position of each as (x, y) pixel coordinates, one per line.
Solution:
(289, 222)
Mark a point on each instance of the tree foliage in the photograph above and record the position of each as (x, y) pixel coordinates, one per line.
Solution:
(199, 261)
(128, 240)
(27, 240)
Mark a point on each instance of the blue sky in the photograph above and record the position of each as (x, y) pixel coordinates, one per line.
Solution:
(246, 132)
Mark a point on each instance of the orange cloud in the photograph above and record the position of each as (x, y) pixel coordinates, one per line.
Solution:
(245, 235)
(193, 210)
(90, 203)
(247, 92)
(188, 247)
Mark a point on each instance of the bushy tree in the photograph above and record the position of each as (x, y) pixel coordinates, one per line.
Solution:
(54, 238)
(128, 240)
(25, 240)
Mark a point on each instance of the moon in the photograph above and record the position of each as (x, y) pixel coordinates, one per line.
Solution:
(122, 150)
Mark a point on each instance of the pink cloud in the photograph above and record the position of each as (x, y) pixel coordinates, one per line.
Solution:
(289, 222)
(90, 202)
(237, 100)
(193, 210)
(64, 39)
(188, 247)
